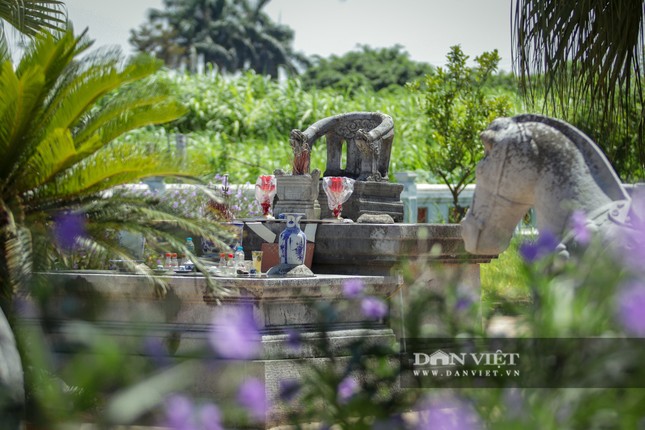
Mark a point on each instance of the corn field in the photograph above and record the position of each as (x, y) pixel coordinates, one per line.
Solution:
(240, 125)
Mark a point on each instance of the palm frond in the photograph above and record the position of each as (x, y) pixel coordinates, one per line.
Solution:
(31, 16)
(139, 215)
(582, 55)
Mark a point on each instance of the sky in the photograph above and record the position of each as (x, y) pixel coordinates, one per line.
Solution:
(425, 28)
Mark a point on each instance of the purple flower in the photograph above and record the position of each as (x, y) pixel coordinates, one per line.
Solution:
(466, 298)
(179, 413)
(294, 338)
(175, 205)
(347, 388)
(545, 244)
(463, 304)
(448, 414)
(580, 228)
(353, 288)
(210, 417)
(25, 308)
(373, 307)
(631, 302)
(155, 349)
(632, 244)
(252, 396)
(68, 228)
(289, 389)
(235, 334)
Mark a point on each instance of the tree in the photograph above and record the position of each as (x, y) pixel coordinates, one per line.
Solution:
(31, 16)
(231, 34)
(458, 108)
(583, 61)
(367, 68)
(58, 154)
(60, 161)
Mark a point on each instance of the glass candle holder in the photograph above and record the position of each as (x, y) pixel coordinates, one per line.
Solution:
(338, 190)
(265, 188)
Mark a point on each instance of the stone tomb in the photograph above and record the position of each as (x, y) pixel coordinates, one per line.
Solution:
(129, 307)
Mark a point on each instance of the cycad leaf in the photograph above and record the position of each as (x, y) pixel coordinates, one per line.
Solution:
(19, 99)
(53, 154)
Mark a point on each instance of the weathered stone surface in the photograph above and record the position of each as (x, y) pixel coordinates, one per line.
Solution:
(375, 249)
(290, 270)
(369, 198)
(375, 219)
(368, 137)
(12, 390)
(540, 162)
(128, 308)
(298, 194)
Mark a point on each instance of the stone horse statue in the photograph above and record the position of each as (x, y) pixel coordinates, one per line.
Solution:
(12, 391)
(544, 163)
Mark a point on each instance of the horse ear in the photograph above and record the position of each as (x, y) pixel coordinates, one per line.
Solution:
(490, 136)
(487, 137)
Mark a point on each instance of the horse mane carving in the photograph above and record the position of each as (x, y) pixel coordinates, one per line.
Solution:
(600, 168)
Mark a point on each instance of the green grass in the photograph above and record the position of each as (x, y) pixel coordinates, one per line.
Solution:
(503, 285)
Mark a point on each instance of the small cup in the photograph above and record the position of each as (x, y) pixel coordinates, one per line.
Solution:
(257, 261)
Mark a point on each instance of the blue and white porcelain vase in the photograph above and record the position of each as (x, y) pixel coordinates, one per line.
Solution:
(292, 242)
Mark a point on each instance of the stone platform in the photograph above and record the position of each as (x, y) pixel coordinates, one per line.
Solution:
(368, 197)
(374, 249)
(129, 309)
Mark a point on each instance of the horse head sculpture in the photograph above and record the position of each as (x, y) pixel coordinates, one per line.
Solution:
(540, 162)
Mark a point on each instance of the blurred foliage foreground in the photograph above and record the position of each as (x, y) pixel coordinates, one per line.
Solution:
(595, 293)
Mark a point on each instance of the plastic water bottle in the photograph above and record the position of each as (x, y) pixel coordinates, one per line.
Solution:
(187, 262)
(190, 245)
(168, 261)
(239, 259)
(230, 265)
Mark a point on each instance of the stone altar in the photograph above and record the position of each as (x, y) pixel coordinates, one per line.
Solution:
(367, 138)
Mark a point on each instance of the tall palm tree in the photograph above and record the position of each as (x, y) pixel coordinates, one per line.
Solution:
(584, 55)
(232, 34)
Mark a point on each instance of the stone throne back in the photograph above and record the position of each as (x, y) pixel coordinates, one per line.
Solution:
(367, 138)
